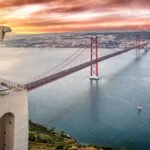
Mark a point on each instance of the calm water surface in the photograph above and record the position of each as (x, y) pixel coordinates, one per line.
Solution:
(98, 112)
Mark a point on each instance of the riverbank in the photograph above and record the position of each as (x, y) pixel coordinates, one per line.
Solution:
(42, 138)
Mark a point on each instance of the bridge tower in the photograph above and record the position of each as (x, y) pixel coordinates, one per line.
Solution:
(137, 43)
(94, 59)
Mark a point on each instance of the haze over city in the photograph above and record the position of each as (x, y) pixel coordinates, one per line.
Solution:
(43, 16)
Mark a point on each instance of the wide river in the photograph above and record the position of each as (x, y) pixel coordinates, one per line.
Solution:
(97, 112)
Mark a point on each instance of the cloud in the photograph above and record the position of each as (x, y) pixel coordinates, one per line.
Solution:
(74, 15)
(78, 5)
(14, 3)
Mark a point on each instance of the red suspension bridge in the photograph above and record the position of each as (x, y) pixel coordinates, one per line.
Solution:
(61, 70)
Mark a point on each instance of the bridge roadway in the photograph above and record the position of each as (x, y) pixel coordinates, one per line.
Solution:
(40, 82)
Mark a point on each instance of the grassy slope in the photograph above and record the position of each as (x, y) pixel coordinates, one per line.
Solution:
(41, 138)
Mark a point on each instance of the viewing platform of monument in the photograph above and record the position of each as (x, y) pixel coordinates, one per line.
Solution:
(13, 116)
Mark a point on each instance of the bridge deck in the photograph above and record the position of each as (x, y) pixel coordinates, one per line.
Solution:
(53, 77)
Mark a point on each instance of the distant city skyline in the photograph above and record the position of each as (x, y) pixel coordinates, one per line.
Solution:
(43, 16)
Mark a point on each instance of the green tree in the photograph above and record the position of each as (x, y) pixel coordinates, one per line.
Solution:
(32, 136)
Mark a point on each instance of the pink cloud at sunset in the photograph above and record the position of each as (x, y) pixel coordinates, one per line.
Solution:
(40, 16)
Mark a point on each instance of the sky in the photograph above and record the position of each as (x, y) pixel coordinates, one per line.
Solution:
(44, 16)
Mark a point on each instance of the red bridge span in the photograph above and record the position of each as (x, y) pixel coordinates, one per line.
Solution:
(49, 78)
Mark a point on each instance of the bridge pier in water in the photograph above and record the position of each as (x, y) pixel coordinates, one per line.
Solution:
(137, 44)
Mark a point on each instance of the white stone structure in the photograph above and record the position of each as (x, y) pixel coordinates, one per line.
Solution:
(13, 117)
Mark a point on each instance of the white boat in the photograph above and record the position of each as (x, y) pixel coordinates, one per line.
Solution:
(139, 107)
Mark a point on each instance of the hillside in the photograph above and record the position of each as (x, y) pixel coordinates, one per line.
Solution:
(41, 138)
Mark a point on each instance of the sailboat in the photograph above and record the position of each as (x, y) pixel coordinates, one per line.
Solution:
(139, 107)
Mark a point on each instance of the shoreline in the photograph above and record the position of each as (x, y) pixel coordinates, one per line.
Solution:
(43, 138)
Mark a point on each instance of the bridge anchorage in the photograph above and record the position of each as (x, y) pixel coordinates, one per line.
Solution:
(94, 57)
